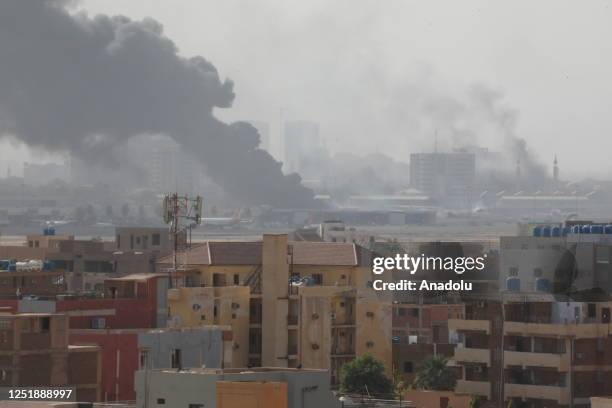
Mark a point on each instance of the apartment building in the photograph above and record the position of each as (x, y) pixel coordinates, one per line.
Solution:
(35, 351)
(420, 331)
(290, 304)
(536, 352)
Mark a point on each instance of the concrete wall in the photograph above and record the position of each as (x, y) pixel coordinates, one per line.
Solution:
(275, 303)
(199, 347)
(305, 389)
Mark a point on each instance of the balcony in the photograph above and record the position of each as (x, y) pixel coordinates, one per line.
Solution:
(480, 388)
(469, 325)
(541, 392)
(472, 355)
(527, 359)
(584, 330)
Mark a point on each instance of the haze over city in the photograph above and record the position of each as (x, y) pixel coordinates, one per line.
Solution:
(388, 78)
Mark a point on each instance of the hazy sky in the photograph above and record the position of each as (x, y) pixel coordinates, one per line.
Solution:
(386, 75)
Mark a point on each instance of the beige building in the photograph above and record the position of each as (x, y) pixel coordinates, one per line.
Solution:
(537, 350)
(289, 304)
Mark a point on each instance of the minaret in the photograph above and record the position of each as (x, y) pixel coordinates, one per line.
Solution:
(556, 170)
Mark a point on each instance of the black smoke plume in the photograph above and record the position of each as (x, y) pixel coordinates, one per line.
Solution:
(85, 85)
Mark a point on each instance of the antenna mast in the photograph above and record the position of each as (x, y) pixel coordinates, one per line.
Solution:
(176, 208)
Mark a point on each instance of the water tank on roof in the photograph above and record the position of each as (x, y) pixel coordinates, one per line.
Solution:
(576, 229)
(4, 264)
(542, 285)
(555, 231)
(537, 231)
(585, 229)
(597, 229)
(513, 284)
(546, 231)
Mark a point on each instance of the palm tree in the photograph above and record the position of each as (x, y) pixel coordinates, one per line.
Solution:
(434, 374)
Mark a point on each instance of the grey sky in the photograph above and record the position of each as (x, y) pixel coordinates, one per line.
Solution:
(355, 66)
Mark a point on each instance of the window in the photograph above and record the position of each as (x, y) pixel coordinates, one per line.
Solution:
(196, 406)
(513, 271)
(317, 278)
(176, 359)
(537, 272)
(131, 241)
(415, 312)
(155, 239)
(144, 359)
(236, 279)
(592, 310)
(137, 240)
(118, 239)
(45, 324)
(161, 401)
(401, 311)
(408, 366)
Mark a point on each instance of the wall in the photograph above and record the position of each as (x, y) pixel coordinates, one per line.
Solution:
(232, 394)
(437, 399)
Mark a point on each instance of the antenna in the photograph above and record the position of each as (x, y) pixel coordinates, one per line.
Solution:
(177, 208)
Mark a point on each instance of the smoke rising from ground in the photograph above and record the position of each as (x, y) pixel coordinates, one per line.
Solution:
(87, 85)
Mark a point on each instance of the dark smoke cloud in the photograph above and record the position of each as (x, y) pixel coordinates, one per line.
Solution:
(86, 85)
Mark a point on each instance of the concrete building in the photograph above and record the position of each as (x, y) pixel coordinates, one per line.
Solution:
(124, 351)
(288, 303)
(448, 178)
(235, 388)
(86, 264)
(555, 259)
(533, 350)
(133, 301)
(421, 331)
(35, 351)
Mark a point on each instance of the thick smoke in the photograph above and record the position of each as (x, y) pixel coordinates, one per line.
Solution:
(86, 85)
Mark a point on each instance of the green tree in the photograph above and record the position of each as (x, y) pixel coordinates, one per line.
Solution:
(365, 374)
(434, 374)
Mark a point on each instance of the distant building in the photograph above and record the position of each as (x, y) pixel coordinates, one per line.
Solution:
(302, 146)
(447, 178)
(235, 388)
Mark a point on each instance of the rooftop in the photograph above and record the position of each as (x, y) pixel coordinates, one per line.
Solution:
(250, 253)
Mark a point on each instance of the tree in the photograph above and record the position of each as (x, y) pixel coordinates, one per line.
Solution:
(365, 374)
(434, 374)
